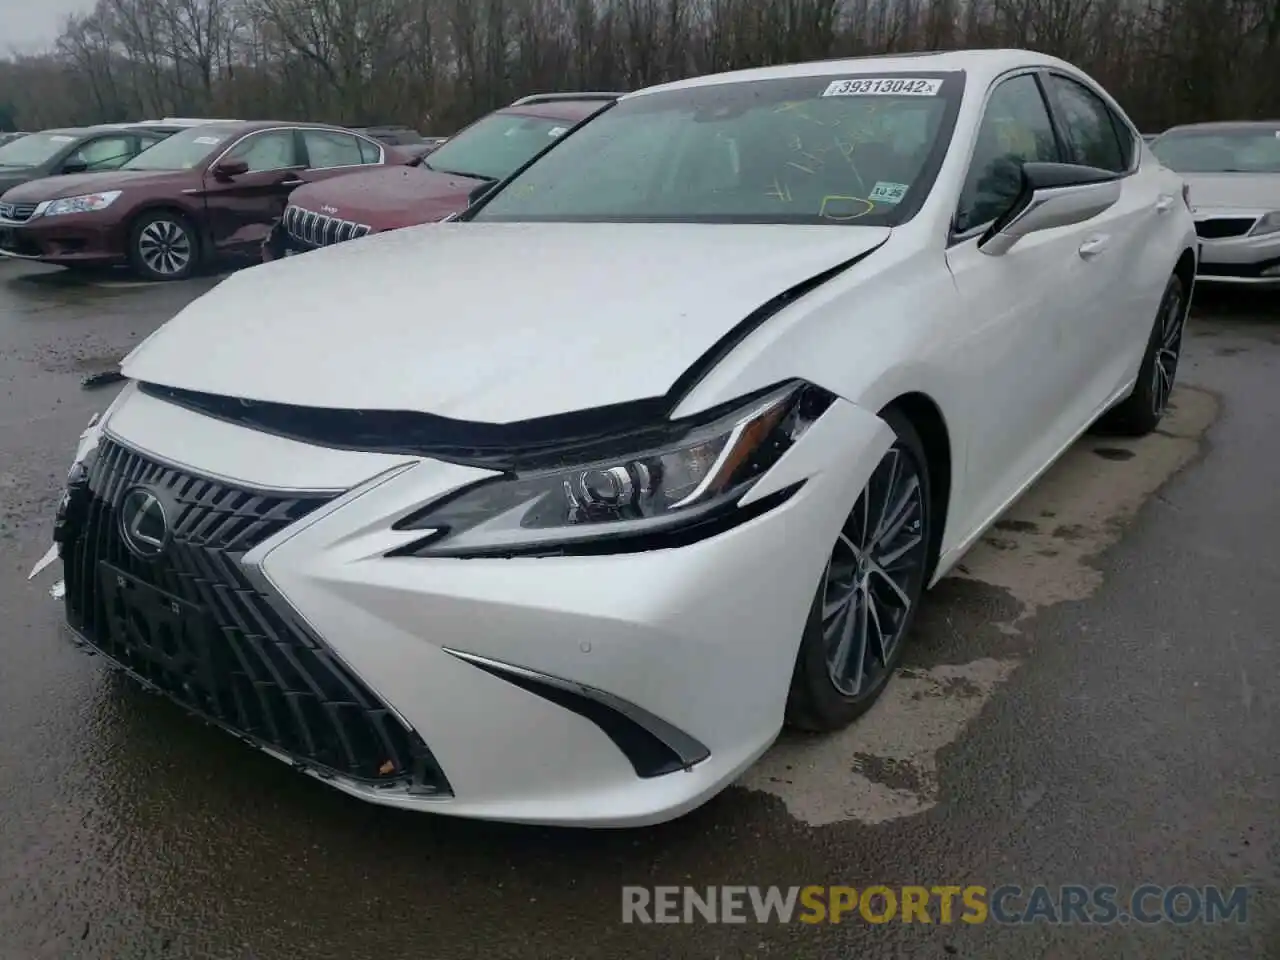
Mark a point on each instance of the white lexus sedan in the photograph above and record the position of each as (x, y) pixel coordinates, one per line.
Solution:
(704, 398)
(1232, 171)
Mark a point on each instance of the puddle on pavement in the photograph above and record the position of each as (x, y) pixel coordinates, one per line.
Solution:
(1040, 553)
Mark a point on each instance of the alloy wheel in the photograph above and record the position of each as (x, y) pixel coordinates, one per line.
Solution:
(1168, 350)
(165, 247)
(872, 575)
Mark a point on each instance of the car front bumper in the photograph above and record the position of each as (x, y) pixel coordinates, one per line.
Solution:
(524, 690)
(1245, 260)
(301, 231)
(70, 240)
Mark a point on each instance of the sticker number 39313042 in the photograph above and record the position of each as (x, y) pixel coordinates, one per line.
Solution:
(884, 87)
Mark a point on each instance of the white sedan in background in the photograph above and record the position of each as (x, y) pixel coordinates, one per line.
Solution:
(1232, 171)
(704, 399)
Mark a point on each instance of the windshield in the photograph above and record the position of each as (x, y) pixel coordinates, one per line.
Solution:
(861, 149)
(35, 149)
(494, 146)
(185, 150)
(1254, 150)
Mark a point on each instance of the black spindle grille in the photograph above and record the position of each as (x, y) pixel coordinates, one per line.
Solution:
(189, 623)
(1222, 228)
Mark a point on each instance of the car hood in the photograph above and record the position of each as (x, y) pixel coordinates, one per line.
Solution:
(389, 197)
(78, 184)
(516, 321)
(12, 178)
(1255, 191)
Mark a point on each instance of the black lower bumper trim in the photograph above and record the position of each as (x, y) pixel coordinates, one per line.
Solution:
(653, 746)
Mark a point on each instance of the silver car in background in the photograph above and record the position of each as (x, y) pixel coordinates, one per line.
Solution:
(1233, 172)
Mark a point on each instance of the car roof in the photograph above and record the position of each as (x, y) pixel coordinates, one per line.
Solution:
(1227, 126)
(560, 106)
(982, 65)
(80, 131)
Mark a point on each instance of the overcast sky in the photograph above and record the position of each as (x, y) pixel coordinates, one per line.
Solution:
(32, 25)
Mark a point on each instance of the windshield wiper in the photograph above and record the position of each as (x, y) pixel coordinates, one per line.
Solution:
(462, 173)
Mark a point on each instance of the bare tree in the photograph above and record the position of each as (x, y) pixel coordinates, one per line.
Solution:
(437, 64)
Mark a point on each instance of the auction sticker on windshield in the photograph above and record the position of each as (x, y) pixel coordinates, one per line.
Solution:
(208, 141)
(884, 192)
(884, 87)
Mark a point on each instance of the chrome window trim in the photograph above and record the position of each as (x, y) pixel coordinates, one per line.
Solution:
(382, 153)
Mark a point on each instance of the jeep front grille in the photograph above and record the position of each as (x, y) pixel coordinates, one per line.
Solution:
(319, 230)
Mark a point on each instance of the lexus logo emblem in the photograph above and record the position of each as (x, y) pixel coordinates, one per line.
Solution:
(143, 523)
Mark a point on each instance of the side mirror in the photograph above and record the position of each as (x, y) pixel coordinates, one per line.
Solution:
(75, 165)
(228, 169)
(1051, 195)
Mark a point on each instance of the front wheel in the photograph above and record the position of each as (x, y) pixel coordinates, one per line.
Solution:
(1141, 412)
(163, 246)
(870, 588)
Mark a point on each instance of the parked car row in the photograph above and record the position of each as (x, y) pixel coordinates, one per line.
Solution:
(174, 196)
(117, 195)
(713, 385)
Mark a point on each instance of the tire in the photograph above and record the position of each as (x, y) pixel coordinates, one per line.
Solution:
(1140, 413)
(823, 696)
(163, 245)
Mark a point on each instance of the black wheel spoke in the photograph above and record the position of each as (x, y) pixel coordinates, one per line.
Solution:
(876, 566)
(1168, 350)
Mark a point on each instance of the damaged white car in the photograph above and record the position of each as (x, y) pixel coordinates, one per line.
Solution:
(704, 399)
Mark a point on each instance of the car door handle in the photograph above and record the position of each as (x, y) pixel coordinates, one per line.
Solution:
(1092, 247)
(1164, 204)
(292, 182)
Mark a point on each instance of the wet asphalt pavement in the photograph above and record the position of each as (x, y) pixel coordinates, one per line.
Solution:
(1093, 699)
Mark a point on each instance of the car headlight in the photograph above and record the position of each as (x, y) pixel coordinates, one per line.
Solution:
(698, 470)
(1267, 223)
(86, 203)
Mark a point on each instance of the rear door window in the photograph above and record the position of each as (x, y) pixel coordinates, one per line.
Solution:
(1091, 134)
(326, 148)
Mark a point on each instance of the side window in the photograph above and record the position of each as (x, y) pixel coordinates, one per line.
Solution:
(328, 149)
(272, 150)
(369, 152)
(1015, 129)
(105, 153)
(1091, 135)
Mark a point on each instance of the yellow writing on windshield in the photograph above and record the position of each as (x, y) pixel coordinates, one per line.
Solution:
(854, 207)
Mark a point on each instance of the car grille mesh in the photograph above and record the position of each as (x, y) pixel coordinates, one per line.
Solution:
(319, 230)
(243, 664)
(1220, 228)
(17, 212)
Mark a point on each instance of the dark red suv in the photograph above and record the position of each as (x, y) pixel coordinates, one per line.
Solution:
(204, 193)
(434, 186)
